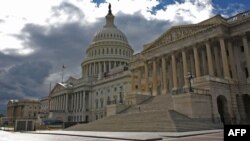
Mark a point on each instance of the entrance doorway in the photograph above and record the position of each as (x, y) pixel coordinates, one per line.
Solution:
(222, 105)
(246, 101)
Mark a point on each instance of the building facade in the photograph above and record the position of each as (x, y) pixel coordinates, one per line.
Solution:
(105, 77)
(22, 109)
(209, 58)
(203, 67)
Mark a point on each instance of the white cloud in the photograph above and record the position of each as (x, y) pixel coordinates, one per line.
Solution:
(16, 14)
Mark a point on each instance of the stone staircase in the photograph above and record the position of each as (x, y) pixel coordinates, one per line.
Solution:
(155, 115)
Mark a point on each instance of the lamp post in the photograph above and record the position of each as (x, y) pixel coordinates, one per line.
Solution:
(190, 77)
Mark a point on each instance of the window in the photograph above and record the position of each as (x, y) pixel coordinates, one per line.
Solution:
(242, 48)
(101, 101)
(96, 103)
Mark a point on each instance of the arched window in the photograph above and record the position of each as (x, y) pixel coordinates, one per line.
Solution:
(108, 101)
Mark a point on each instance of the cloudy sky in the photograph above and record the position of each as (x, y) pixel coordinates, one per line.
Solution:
(38, 36)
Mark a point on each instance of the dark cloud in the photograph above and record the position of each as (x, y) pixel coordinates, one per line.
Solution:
(24, 80)
(139, 30)
(63, 43)
(68, 9)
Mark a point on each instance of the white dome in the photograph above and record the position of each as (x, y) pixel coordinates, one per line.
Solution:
(110, 33)
(108, 50)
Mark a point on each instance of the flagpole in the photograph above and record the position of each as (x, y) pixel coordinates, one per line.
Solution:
(63, 67)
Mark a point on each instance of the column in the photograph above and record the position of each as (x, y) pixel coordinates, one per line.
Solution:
(132, 82)
(59, 102)
(83, 100)
(80, 99)
(232, 61)
(146, 77)
(72, 102)
(66, 102)
(209, 60)
(164, 74)
(100, 68)
(246, 51)
(204, 62)
(94, 68)
(89, 67)
(224, 59)
(174, 71)
(196, 62)
(139, 84)
(109, 65)
(154, 78)
(105, 66)
(185, 72)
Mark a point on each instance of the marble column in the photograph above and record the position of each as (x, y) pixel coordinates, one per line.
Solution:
(246, 51)
(154, 78)
(139, 83)
(66, 102)
(109, 65)
(232, 61)
(100, 67)
(105, 66)
(185, 71)
(209, 60)
(89, 72)
(83, 100)
(196, 62)
(164, 75)
(72, 102)
(80, 99)
(224, 59)
(204, 62)
(175, 86)
(132, 82)
(146, 77)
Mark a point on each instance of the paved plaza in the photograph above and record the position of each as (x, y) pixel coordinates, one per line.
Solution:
(215, 135)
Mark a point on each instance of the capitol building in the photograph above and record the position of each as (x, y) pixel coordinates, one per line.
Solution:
(197, 73)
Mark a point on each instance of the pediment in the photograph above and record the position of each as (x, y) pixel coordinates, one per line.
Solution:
(57, 88)
(71, 80)
(175, 33)
(178, 32)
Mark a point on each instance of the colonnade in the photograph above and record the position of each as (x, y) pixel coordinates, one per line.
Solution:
(95, 68)
(215, 57)
(59, 103)
(74, 102)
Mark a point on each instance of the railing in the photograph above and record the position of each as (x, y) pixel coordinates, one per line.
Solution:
(190, 90)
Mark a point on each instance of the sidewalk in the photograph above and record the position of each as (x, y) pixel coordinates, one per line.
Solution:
(135, 136)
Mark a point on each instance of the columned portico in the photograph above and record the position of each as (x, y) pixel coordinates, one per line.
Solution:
(185, 72)
(224, 58)
(174, 72)
(247, 52)
(154, 78)
(209, 59)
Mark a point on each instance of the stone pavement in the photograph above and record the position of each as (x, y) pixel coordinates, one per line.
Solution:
(214, 135)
